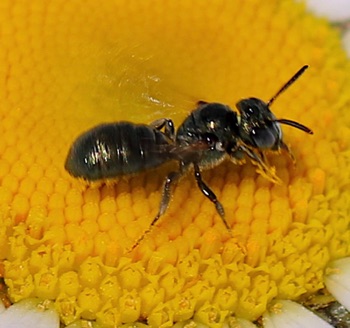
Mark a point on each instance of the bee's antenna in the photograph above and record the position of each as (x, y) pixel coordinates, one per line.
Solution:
(295, 125)
(288, 84)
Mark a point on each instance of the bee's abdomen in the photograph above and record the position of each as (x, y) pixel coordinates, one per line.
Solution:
(116, 149)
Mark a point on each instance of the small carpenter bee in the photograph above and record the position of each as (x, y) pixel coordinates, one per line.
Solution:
(210, 134)
(205, 139)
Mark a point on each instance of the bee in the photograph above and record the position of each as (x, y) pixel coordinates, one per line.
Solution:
(210, 134)
(259, 129)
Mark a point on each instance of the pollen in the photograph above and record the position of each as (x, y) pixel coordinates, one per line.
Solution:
(68, 66)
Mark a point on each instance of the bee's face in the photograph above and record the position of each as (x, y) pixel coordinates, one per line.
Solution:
(257, 124)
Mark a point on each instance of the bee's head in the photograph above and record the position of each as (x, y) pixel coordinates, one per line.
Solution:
(258, 126)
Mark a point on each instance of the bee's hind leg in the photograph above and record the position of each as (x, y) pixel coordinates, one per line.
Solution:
(170, 180)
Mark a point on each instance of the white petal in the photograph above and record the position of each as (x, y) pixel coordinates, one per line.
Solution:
(26, 314)
(289, 314)
(338, 282)
(2, 307)
(334, 10)
(242, 323)
(346, 41)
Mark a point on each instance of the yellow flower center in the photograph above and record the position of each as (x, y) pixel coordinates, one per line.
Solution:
(67, 66)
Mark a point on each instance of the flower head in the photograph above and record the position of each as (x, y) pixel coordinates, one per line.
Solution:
(69, 66)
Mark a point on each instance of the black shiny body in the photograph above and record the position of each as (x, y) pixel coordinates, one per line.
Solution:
(117, 149)
(212, 123)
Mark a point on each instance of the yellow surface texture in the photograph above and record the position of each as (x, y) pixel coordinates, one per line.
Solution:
(66, 66)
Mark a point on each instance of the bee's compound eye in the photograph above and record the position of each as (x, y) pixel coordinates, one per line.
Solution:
(264, 138)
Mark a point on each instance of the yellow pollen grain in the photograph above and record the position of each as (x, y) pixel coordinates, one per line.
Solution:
(67, 67)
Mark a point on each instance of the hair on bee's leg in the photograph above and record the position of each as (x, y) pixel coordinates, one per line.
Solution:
(211, 196)
(264, 159)
(265, 170)
(170, 180)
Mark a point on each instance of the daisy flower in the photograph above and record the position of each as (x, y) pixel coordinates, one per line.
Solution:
(65, 247)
